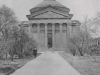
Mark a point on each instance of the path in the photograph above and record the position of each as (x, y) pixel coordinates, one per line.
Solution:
(47, 64)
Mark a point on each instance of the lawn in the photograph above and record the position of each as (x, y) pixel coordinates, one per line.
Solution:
(7, 66)
(85, 65)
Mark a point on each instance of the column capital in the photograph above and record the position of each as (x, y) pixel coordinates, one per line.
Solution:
(30, 24)
(53, 23)
(43, 23)
(69, 22)
(38, 23)
(60, 23)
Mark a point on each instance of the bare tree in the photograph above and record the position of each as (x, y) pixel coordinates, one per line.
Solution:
(95, 22)
(80, 42)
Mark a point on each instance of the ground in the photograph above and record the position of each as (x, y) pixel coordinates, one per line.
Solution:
(86, 65)
(48, 63)
(8, 66)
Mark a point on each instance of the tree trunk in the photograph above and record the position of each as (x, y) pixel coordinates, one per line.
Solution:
(6, 55)
(74, 54)
(12, 58)
(81, 52)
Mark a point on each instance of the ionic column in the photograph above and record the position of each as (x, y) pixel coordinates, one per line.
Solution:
(45, 35)
(38, 32)
(61, 35)
(53, 34)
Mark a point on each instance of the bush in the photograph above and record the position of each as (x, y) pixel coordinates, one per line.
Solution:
(23, 45)
(29, 47)
(72, 49)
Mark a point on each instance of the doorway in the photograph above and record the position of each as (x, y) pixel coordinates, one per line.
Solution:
(49, 42)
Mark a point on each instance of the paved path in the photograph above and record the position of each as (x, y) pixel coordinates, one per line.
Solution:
(47, 64)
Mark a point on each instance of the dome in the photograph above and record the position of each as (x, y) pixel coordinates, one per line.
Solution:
(46, 3)
(49, 2)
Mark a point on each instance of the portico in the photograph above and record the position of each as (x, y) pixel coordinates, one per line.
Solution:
(48, 32)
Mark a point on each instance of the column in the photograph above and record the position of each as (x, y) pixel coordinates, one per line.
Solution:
(38, 32)
(53, 35)
(46, 36)
(61, 35)
(30, 29)
(68, 33)
(69, 29)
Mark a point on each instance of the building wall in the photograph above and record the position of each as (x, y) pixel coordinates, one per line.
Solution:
(61, 40)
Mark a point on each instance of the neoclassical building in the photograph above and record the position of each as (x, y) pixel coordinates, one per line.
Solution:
(50, 24)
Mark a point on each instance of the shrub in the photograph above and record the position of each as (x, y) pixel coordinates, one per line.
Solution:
(29, 47)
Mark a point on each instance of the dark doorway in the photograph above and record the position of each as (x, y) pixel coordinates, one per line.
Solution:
(49, 42)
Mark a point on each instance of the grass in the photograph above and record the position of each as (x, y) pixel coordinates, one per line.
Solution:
(86, 65)
(7, 66)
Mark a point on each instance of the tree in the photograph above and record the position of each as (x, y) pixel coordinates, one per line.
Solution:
(95, 24)
(7, 20)
(79, 42)
(22, 44)
(72, 48)
(14, 39)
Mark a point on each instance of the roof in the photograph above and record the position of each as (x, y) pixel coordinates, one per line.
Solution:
(49, 2)
(46, 3)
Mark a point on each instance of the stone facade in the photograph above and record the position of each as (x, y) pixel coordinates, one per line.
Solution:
(50, 24)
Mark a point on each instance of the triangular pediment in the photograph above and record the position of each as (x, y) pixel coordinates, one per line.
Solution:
(50, 14)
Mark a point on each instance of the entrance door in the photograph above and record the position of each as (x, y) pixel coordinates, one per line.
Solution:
(49, 42)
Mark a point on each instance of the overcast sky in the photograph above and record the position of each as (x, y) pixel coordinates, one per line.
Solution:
(79, 8)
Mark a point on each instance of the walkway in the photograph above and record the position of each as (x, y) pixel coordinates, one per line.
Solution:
(47, 64)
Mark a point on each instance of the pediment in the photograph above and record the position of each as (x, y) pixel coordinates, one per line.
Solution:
(50, 14)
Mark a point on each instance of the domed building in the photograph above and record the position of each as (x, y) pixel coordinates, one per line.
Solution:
(50, 24)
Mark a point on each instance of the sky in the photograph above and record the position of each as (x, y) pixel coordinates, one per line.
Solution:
(80, 8)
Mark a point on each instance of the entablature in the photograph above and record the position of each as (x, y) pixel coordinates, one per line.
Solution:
(28, 23)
